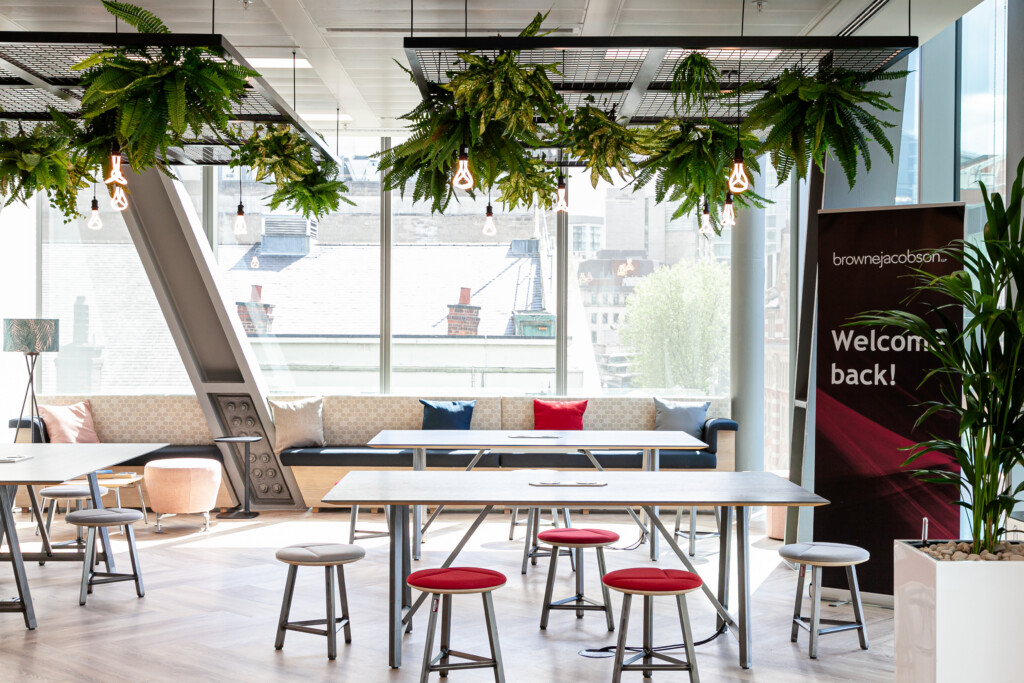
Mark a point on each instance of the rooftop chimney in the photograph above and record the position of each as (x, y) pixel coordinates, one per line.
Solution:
(463, 319)
(256, 316)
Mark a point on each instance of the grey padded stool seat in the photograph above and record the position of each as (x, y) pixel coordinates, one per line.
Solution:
(70, 493)
(104, 517)
(331, 556)
(816, 556)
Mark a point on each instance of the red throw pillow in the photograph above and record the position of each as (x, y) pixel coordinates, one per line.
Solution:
(69, 424)
(558, 414)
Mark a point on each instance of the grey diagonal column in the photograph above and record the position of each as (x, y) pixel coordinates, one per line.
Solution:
(216, 353)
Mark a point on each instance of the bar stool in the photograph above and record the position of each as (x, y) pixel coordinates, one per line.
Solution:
(576, 540)
(333, 557)
(443, 584)
(104, 517)
(650, 583)
(816, 556)
(68, 493)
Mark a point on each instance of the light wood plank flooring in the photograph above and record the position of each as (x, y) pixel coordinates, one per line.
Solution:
(212, 603)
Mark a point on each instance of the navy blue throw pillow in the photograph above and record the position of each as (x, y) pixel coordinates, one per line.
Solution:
(447, 414)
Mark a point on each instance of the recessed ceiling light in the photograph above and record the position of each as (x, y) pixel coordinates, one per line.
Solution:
(278, 63)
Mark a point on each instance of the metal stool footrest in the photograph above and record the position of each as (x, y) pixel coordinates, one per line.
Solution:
(837, 625)
(673, 663)
(475, 661)
(304, 626)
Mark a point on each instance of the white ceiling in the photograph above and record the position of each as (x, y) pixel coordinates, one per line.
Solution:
(353, 69)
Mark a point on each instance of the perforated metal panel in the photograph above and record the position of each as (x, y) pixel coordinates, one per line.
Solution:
(239, 417)
(635, 73)
(36, 74)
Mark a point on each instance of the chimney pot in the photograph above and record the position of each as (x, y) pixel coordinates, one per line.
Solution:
(255, 293)
(464, 296)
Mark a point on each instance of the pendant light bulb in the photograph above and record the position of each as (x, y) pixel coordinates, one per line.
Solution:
(490, 230)
(561, 204)
(738, 180)
(463, 179)
(728, 212)
(95, 223)
(705, 221)
(255, 263)
(240, 228)
(120, 200)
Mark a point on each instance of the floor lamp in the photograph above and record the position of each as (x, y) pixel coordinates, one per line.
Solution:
(30, 336)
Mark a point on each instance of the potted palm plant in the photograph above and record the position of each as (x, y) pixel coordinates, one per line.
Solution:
(958, 602)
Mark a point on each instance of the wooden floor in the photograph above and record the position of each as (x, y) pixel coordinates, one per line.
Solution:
(213, 599)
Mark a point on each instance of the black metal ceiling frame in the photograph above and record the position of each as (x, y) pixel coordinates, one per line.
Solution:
(35, 65)
(641, 93)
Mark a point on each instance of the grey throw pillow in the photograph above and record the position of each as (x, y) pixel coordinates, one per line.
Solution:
(676, 416)
(298, 423)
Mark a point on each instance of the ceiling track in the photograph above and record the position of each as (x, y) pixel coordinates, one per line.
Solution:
(634, 73)
(35, 74)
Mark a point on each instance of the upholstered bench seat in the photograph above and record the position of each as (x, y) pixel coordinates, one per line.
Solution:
(364, 456)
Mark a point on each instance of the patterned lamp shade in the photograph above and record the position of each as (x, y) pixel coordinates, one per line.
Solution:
(31, 335)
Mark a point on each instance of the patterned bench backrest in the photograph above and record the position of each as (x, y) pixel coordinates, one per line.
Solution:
(348, 420)
(610, 412)
(176, 420)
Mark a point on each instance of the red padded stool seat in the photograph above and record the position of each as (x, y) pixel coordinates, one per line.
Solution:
(456, 580)
(578, 537)
(651, 581)
(443, 584)
(648, 583)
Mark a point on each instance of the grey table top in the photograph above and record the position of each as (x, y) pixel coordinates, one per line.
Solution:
(537, 440)
(403, 487)
(53, 463)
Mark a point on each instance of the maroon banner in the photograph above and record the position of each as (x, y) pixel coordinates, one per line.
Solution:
(868, 395)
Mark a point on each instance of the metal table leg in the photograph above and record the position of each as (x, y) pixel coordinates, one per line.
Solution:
(37, 511)
(419, 463)
(670, 539)
(743, 583)
(724, 561)
(399, 529)
(651, 464)
(440, 508)
(24, 604)
(97, 503)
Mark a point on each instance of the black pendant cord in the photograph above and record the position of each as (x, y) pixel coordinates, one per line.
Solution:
(739, 70)
(295, 99)
(412, 13)
(909, 3)
(465, 17)
(213, 15)
(337, 132)
(240, 171)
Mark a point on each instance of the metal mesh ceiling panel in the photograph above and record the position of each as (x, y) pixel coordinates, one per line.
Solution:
(36, 74)
(635, 73)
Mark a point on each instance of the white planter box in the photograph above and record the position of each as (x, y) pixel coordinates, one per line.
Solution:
(957, 621)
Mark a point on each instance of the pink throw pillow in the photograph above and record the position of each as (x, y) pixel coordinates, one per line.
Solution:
(69, 424)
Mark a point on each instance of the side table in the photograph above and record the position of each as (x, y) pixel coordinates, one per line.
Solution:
(241, 512)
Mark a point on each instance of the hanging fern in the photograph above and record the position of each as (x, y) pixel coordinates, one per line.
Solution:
(280, 156)
(809, 117)
(157, 96)
(502, 90)
(40, 161)
(695, 164)
(497, 159)
(604, 145)
(695, 82)
(313, 194)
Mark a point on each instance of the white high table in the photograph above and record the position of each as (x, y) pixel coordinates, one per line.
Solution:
(545, 441)
(734, 492)
(53, 464)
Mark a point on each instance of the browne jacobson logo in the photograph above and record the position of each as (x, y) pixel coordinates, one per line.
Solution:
(912, 258)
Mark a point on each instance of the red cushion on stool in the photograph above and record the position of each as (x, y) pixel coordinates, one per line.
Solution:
(456, 578)
(644, 579)
(578, 536)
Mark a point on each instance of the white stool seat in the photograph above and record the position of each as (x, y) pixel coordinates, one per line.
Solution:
(69, 492)
(824, 554)
(320, 554)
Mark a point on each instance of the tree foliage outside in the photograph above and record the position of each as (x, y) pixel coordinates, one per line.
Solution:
(677, 323)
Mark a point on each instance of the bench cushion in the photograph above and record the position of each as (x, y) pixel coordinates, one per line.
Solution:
(363, 456)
